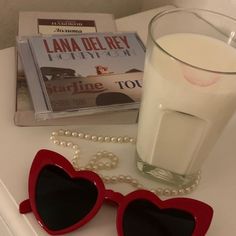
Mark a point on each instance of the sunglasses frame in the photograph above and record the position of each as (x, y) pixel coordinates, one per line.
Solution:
(201, 212)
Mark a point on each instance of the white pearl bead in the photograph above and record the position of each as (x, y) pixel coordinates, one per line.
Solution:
(181, 191)
(88, 167)
(115, 158)
(56, 141)
(75, 146)
(114, 139)
(77, 151)
(104, 153)
(126, 139)
(193, 186)
(187, 190)
(54, 133)
(132, 140)
(159, 191)
(69, 144)
(107, 165)
(75, 156)
(63, 143)
(120, 140)
(110, 154)
(68, 133)
(134, 182)
(100, 165)
(114, 179)
(167, 192)
(52, 137)
(99, 154)
(74, 162)
(81, 135)
(113, 164)
(128, 179)
(106, 178)
(74, 134)
(107, 139)
(91, 162)
(87, 136)
(174, 192)
(94, 167)
(121, 178)
(94, 138)
(140, 186)
(100, 139)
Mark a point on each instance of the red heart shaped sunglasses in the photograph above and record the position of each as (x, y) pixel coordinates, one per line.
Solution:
(63, 199)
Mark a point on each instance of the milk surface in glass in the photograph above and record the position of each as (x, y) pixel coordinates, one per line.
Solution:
(184, 109)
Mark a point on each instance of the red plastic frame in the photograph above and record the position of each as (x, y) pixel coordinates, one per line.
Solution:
(201, 212)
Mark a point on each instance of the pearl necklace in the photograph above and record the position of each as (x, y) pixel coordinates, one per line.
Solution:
(108, 160)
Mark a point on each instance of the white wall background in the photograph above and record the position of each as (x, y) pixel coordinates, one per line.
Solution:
(9, 10)
(224, 6)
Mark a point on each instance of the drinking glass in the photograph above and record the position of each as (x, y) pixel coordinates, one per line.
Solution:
(189, 92)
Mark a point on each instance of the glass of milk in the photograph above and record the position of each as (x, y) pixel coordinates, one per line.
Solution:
(189, 92)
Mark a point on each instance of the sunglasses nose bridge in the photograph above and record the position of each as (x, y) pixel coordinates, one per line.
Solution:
(114, 197)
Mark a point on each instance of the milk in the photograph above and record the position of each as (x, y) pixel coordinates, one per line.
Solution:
(184, 109)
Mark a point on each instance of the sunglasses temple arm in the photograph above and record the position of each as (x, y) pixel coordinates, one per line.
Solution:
(25, 207)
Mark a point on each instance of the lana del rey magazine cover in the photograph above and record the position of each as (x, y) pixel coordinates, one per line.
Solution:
(88, 73)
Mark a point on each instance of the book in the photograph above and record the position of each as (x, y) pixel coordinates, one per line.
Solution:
(83, 74)
(33, 23)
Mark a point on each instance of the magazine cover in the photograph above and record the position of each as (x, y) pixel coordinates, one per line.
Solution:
(68, 74)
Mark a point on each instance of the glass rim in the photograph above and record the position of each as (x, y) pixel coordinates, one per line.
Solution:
(190, 10)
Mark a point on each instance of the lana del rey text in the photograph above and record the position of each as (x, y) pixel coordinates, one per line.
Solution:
(87, 47)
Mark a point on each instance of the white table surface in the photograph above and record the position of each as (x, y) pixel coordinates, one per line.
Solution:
(19, 145)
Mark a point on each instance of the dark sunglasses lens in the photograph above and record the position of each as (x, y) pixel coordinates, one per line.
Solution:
(142, 217)
(62, 201)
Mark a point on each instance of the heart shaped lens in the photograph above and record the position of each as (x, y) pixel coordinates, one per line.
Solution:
(63, 201)
(142, 217)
